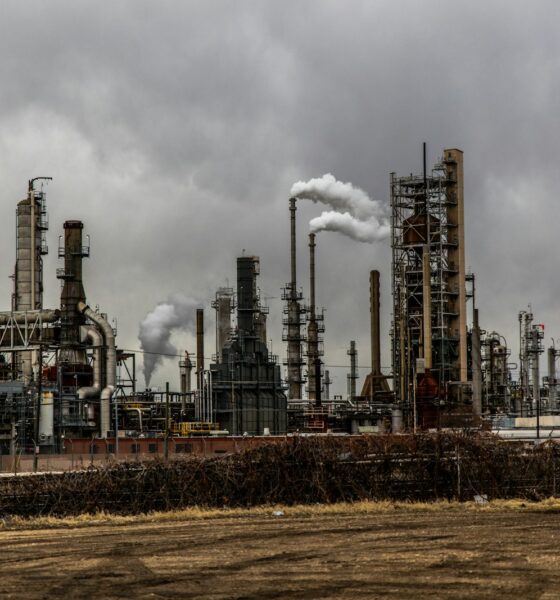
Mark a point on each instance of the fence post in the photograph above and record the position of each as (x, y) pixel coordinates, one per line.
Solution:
(553, 449)
(458, 459)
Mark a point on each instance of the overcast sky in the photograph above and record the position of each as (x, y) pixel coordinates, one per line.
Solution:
(175, 129)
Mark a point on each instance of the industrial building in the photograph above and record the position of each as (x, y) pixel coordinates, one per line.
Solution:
(247, 391)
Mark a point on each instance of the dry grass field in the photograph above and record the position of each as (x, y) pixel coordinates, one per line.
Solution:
(367, 550)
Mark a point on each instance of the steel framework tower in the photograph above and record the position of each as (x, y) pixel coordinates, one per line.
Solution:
(429, 335)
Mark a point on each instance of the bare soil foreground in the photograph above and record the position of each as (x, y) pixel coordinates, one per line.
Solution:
(363, 551)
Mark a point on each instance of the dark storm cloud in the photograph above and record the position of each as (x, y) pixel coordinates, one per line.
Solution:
(176, 129)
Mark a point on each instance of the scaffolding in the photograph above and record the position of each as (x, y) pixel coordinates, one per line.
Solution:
(428, 279)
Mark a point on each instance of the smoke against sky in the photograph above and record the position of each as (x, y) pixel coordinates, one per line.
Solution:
(355, 214)
(175, 131)
(342, 197)
(177, 313)
(368, 231)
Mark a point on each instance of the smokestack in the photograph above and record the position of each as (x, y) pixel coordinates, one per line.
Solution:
(199, 346)
(313, 382)
(293, 278)
(294, 314)
(375, 334)
(72, 292)
(72, 288)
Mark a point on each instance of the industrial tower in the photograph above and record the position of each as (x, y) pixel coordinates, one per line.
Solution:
(428, 283)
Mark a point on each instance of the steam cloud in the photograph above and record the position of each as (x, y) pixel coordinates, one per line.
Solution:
(362, 231)
(177, 313)
(355, 214)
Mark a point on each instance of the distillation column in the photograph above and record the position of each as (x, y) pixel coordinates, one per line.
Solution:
(223, 304)
(31, 225)
(453, 161)
(73, 251)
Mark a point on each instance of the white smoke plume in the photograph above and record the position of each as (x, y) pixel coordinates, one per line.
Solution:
(177, 313)
(342, 197)
(355, 214)
(368, 231)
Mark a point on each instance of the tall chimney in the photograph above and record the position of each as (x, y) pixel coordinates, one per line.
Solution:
(313, 383)
(294, 313)
(375, 335)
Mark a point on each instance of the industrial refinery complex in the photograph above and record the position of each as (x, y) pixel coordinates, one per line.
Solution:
(65, 384)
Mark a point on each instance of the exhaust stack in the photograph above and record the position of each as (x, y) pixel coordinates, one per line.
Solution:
(293, 321)
(314, 328)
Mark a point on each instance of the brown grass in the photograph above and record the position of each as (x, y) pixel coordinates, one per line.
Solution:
(550, 505)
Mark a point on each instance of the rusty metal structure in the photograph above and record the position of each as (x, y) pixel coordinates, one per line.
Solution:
(429, 333)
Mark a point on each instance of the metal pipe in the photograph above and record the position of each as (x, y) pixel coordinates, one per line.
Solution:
(111, 365)
(476, 367)
(33, 256)
(96, 338)
(427, 312)
(22, 317)
(353, 375)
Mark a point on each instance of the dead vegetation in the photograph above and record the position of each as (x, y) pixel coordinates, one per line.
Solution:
(301, 471)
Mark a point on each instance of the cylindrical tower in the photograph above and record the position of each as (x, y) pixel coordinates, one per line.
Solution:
(31, 225)
(312, 329)
(294, 359)
(185, 370)
(247, 298)
(223, 304)
(72, 293)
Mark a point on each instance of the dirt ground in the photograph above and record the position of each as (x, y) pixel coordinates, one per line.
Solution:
(394, 554)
